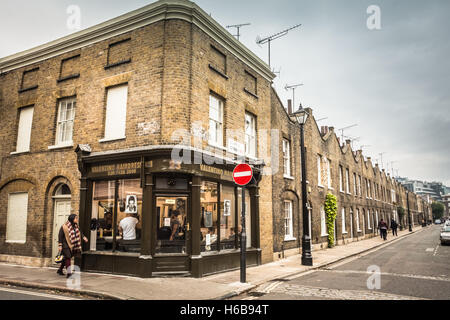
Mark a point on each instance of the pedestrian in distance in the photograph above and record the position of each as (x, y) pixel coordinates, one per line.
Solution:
(394, 227)
(69, 243)
(383, 229)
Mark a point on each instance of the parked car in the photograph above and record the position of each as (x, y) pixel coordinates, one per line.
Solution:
(437, 221)
(445, 235)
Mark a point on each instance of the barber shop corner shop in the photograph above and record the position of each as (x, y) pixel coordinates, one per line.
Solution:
(147, 215)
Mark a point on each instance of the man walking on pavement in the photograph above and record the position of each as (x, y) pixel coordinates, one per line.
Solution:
(394, 226)
(383, 229)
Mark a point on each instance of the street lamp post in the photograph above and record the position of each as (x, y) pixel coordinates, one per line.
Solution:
(301, 115)
(409, 212)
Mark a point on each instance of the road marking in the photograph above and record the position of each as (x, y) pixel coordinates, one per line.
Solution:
(444, 278)
(435, 250)
(429, 249)
(43, 295)
(326, 293)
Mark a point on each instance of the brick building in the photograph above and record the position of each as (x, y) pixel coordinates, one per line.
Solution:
(92, 123)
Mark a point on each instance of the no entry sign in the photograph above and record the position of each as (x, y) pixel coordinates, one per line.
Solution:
(242, 174)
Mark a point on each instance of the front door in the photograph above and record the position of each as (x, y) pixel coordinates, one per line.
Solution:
(61, 215)
(172, 224)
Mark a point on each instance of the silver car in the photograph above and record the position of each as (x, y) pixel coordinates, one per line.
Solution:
(445, 235)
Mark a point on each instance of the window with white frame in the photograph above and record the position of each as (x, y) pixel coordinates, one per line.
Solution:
(359, 185)
(287, 157)
(357, 221)
(344, 230)
(250, 135)
(288, 221)
(328, 172)
(64, 123)
(215, 120)
(116, 112)
(355, 184)
(16, 221)
(369, 226)
(319, 170)
(347, 180)
(24, 129)
(323, 222)
(341, 179)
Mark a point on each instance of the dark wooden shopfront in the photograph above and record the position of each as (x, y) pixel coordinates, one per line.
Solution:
(194, 195)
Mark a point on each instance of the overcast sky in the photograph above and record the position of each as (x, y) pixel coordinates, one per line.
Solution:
(393, 82)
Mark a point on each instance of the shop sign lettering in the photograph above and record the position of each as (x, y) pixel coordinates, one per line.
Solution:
(117, 169)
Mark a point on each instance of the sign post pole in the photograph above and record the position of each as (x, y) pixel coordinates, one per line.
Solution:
(243, 240)
(242, 175)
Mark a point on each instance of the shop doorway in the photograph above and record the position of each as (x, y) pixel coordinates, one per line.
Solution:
(172, 224)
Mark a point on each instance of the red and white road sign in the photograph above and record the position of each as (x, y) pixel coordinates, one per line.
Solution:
(242, 174)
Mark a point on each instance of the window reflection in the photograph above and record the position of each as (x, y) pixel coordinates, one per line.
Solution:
(208, 219)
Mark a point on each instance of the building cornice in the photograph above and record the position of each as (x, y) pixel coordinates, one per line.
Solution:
(155, 12)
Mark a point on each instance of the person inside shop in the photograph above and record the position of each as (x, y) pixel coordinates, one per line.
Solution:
(175, 225)
(127, 227)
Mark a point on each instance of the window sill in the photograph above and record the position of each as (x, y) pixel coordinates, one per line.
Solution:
(61, 146)
(320, 186)
(349, 193)
(331, 188)
(19, 152)
(251, 93)
(109, 66)
(289, 178)
(286, 239)
(220, 73)
(344, 232)
(16, 241)
(28, 89)
(73, 76)
(324, 235)
(213, 145)
(111, 139)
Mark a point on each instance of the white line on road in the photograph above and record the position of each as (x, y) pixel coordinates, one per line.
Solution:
(435, 250)
(30, 293)
(444, 278)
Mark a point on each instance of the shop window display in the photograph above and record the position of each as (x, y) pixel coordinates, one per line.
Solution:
(228, 232)
(127, 229)
(208, 219)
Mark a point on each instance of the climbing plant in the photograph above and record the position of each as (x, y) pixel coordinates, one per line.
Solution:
(330, 214)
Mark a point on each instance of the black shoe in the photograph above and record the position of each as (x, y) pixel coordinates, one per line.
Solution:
(60, 272)
(69, 275)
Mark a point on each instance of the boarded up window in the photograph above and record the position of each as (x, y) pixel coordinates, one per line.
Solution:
(218, 60)
(119, 52)
(116, 112)
(250, 83)
(24, 129)
(70, 67)
(16, 223)
(30, 79)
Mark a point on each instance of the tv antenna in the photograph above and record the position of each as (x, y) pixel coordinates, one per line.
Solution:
(321, 119)
(364, 146)
(352, 140)
(269, 39)
(343, 129)
(293, 87)
(238, 27)
(381, 157)
(277, 72)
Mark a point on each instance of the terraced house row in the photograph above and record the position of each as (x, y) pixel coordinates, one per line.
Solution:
(92, 124)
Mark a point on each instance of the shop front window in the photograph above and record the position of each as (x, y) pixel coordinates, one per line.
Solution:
(208, 219)
(227, 218)
(171, 215)
(126, 213)
(248, 225)
(129, 216)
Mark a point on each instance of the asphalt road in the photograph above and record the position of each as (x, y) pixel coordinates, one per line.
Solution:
(14, 293)
(415, 267)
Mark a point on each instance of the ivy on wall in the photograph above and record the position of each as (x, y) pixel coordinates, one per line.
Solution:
(330, 215)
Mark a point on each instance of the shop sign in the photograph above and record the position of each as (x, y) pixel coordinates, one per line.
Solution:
(117, 169)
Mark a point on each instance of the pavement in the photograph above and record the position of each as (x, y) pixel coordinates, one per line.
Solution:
(215, 287)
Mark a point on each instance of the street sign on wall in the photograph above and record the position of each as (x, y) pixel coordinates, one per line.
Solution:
(242, 174)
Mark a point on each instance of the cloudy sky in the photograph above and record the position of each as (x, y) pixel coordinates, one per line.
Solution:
(394, 83)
